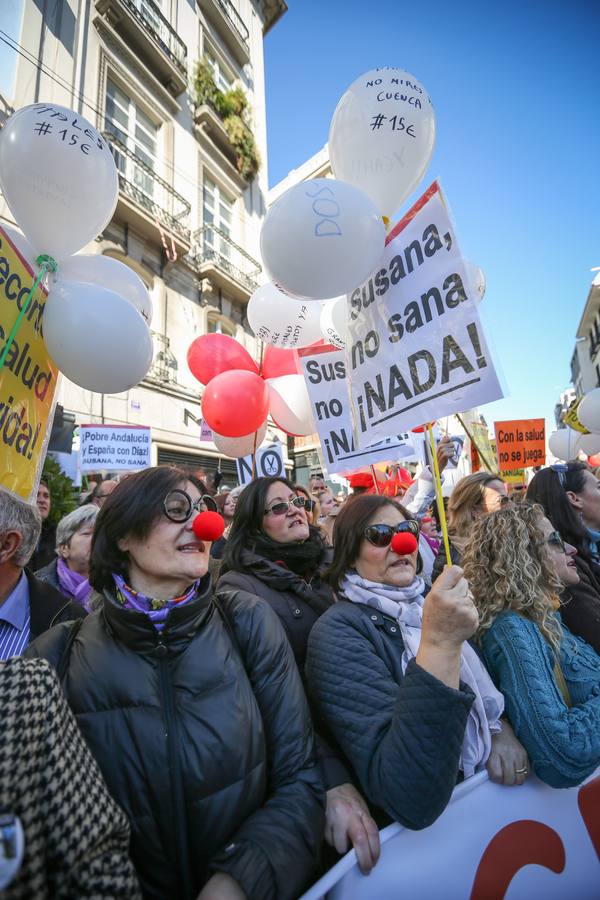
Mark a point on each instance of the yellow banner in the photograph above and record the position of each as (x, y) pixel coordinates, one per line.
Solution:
(28, 378)
(571, 418)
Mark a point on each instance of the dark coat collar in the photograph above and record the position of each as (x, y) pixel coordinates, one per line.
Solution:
(47, 606)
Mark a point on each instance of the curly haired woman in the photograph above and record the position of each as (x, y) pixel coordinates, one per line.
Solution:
(516, 565)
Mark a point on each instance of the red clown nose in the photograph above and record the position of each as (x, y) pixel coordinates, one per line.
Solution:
(208, 526)
(403, 543)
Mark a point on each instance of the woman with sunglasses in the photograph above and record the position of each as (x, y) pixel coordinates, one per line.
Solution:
(473, 497)
(194, 712)
(391, 671)
(274, 553)
(516, 564)
(570, 497)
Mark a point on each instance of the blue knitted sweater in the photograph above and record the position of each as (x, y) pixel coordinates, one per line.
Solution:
(563, 743)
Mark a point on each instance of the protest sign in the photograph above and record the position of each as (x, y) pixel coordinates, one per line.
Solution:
(571, 417)
(416, 349)
(114, 447)
(492, 841)
(28, 377)
(520, 443)
(205, 431)
(483, 455)
(325, 375)
(516, 476)
(269, 463)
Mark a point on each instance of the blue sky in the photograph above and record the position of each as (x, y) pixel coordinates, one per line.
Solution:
(516, 90)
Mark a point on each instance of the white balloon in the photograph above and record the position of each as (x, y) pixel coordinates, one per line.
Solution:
(321, 238)
(289, 404)
(22, 245)
(382, 135)
(95, 268)
(589, 443)
(588, 411)
(96, 338)
(334, 322)
(564, 444)
(283, 321)
(58, 177)
(239, 446)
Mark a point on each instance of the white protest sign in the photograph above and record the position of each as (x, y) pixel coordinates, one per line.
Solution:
(416, 350)
(325, 375)
(269, 463)
(114, 447)
(491, 842)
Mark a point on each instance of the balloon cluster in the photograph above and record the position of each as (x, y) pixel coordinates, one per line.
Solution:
(324, 237)
(567, 443)
(239, 396)
(60, 180)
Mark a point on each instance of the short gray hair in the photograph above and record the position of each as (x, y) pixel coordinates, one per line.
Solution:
(74, 521)
(16, 515)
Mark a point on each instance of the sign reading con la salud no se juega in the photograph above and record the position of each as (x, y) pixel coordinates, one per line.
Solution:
(325, 375)
(114, 447)
(28, 378)
(491, 842)
(416, 350)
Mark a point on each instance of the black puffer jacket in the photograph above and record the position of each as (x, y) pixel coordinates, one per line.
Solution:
(403, 733)
(211, 758)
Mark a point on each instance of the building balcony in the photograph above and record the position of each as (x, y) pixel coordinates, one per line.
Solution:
(148, 202)
(164, 364)
(228, 22)
(144, 27)
(224, 263)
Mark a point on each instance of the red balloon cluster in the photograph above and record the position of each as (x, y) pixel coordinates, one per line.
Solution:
(236, 400)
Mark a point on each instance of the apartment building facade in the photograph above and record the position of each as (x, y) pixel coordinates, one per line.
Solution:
(177, 88)
(585, 361)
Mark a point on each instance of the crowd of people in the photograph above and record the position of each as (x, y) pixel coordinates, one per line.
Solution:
(220, 721)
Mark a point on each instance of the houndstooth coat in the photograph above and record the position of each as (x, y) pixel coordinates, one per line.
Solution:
(76, 837)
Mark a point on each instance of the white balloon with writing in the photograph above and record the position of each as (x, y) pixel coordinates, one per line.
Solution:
(290, 406)
(58, 177)
(283, 321)
(96, 337)
(96, 268)
(21, 243)
(334, 322)
(321, 238)
(240, 446)
(382, 135)
(564, 444)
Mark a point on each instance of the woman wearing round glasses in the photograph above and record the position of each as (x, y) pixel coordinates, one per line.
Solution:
(194, 713)
(516, 564)
(391, 671)
(274, 553)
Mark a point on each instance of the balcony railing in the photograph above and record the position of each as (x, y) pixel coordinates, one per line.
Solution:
(147, 189)
(235, 19)
(150, 16)
(214, 246)
(164, 365)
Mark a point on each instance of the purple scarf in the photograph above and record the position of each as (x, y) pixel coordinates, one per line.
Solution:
(156, 610)
(73, 585)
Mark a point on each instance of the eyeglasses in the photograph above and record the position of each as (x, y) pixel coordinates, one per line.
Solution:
(562, 471)
(555, 540)
(309, 505)
(281, 508)
(381, 535)
(178, 505)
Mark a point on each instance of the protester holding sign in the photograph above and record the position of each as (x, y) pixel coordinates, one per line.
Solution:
(391, 672)
(195, 714)
(274, 554)
(516, 563)
(569, 494)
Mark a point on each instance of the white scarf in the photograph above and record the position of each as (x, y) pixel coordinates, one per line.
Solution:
(405, 605)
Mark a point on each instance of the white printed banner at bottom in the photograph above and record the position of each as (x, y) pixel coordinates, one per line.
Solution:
(325, 375)
(114, 447)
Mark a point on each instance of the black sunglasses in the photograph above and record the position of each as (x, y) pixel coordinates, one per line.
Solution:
(178, 505)
(381, 535)
(281, 508)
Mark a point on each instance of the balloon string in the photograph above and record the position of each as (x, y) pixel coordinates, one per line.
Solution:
(47, 264)
(375, 479)
(438, 494)
(260, 368)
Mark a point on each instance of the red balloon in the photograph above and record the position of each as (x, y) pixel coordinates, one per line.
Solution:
(208, 526)
(277, 361)
(212, 354)
(235, 403)
(594, 460)
(404, 543)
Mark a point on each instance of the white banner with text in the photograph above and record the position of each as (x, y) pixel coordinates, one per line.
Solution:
(114, 447)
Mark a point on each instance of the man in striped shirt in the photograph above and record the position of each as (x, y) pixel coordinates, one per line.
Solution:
(28, 607)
